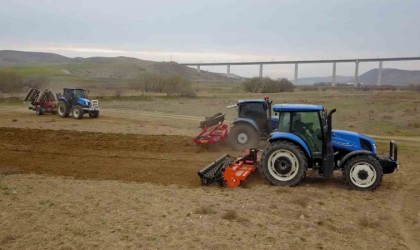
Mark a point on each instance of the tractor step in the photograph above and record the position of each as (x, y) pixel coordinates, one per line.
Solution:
(229, 171)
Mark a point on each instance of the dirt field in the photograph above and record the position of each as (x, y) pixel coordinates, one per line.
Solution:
(108, 183)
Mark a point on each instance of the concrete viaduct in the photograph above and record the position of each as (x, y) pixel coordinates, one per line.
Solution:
(296, 63)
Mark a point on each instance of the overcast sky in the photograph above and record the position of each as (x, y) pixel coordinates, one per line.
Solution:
(218, 30)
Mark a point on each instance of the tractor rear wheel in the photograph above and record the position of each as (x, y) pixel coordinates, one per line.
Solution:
(363, 173)
(93, 114)
(62, 109)
(283, 164)
(243, 136)
(77, 112)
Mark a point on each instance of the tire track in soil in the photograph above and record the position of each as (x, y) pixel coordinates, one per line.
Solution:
(397, 208)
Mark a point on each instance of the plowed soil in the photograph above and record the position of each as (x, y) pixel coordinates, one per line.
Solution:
(162, 159)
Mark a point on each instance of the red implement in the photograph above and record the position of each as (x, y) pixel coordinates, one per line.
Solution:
(240, 169)
(213, 130)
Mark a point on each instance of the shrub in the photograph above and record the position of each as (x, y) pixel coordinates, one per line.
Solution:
(171, 85)
(267, 85)
(10, 81)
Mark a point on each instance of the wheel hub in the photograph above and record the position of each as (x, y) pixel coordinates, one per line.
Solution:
(363, 174)
(283, 165)
(242, 138)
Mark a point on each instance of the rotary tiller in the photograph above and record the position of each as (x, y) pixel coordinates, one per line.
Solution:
(229, 171)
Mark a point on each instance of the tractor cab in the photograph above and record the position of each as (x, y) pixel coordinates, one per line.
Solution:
(253, 123)
(76, 96)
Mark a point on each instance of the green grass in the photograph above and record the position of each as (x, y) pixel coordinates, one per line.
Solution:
(35, 70)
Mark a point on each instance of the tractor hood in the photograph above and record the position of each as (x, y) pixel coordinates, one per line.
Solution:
(352, 141)
(83, 102)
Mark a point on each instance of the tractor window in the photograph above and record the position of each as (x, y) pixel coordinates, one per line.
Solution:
(79, 93)
(252, 107)
(284, 122)
(255, 111)
(307, 126)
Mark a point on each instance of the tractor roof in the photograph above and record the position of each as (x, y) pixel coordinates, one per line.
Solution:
(74, 88)
(296, 107)
(250, 100)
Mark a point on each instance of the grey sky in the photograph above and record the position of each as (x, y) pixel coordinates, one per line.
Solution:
(215, 30)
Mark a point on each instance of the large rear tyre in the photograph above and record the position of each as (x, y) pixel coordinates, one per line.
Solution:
(62, 109)
(93, 114)
(363, 173)
(77, 112)
(243, 136)
(283, 164)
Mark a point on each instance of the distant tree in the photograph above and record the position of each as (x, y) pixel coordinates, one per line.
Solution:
(37, 82)
(171, 85)
(267, 85)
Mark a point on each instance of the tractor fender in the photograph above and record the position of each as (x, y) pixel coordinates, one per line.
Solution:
(62, 98)
(293, 138)
(354, 153)
(246, 121)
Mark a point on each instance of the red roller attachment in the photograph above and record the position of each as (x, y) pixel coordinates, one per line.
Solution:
(213, 130)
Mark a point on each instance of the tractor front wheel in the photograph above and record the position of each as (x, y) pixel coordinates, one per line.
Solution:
(283, 164)
(62, 109)
(363, 173)
(78, 112)
(243, 136)
(93, 114)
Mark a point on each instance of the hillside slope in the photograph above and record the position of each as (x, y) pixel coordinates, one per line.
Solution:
(391, 76)
(103, 68)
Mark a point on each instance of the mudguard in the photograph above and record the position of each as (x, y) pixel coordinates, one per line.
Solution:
(63, 99)
(289, 136)
(351, 154)
(247, 121)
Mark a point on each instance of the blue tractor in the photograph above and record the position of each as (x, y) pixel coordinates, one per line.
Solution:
(304, 138)
(76, 102)
(253, 124)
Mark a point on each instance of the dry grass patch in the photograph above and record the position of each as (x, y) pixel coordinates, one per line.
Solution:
(369, 222)
(205, 210)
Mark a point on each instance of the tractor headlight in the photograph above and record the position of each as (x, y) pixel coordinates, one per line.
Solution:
(374, 147)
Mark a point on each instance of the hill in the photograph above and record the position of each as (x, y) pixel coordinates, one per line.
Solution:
(389, 77)
(99, 68)
(21, 58)
(312, 80)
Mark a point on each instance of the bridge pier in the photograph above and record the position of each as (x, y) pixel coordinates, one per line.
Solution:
(261, 70)
(379, 74)
(198, 68)
(228, 71)
(296, 74)
(356, 74)
(333, 81)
